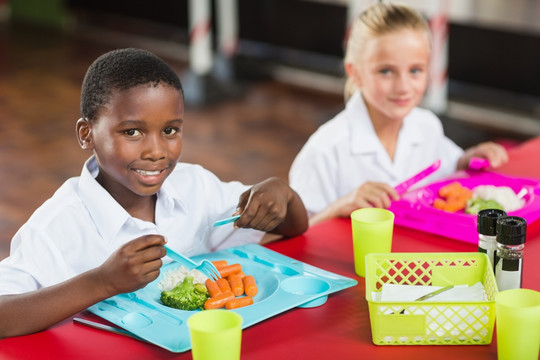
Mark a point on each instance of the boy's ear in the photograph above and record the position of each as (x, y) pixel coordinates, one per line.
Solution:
(353, 74)
(84, 134)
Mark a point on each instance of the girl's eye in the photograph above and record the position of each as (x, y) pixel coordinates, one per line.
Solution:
(385, 71)
(132, 132)
(170, 131)
(416, 71)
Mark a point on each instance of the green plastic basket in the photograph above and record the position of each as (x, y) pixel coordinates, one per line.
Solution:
(430, 323)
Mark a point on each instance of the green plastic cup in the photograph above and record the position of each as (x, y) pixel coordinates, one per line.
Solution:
(518, 324)
(372, 230)
(215, 334)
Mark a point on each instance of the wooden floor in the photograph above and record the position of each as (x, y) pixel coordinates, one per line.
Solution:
(247, 138)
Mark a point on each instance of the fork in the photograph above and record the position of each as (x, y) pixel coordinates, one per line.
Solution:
(206, 267)
(430, 295)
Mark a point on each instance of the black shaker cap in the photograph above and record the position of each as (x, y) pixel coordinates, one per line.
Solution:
(487, 221)
(511, 230)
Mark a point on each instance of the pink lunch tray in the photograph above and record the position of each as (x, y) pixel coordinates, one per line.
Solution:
(415, 208)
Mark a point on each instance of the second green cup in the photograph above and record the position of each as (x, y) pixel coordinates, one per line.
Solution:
(518, 324)
(372, 230)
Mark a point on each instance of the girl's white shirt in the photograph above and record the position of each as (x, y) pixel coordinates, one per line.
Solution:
(345, 152)
(81, 225)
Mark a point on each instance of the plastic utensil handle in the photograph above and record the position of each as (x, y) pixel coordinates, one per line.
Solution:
(433, 293)
(184, 260)
(401, 188)
(227, 220)
(478, 163)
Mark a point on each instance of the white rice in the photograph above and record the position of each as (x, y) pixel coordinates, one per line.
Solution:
(172, 277)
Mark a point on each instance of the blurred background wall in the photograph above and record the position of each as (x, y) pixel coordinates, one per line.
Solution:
(493, 46)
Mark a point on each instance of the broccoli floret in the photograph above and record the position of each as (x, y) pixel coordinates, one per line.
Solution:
(476, 205)
(186, 295)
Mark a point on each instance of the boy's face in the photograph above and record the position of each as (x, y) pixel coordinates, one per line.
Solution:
(137, 140)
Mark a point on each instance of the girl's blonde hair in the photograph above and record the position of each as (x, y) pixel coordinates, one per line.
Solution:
(379, 19)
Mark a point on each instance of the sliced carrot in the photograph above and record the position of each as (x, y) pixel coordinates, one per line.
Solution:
(223, 284)
(449, 189)
(239, 302)
(230, 269)
(439, 204)
(454, 197)
(219, 301)
(237, 286)
(465, 194)
(453, 206)
(250, 286)
(219, 264)
(213, 287)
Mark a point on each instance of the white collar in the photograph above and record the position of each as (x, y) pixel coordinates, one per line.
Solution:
(363, 138)
(108, 215)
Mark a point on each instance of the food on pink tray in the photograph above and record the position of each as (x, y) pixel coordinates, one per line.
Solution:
(476, 205)
(455, 197)
(502, 195)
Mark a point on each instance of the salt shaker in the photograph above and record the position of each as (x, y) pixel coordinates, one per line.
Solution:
(487, 232)
(511, 233)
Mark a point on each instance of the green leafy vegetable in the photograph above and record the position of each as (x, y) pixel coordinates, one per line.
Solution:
(186, 295)
(478, 204)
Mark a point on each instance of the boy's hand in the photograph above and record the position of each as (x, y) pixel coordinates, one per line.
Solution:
(133, 265)
(264, 206)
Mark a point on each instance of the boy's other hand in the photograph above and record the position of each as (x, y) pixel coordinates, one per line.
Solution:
(133, 265)
(264, 206)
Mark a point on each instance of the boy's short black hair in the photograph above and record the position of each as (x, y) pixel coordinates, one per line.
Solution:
(122, 69)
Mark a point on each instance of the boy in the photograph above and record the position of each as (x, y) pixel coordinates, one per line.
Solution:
(103, 233)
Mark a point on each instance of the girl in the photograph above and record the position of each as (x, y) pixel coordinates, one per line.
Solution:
(381, 137)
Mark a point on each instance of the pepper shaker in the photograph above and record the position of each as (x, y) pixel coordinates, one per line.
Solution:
(487, 232)
(511, 233)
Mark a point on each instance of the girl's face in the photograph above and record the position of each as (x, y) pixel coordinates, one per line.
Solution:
(392, 73)
(137, 140)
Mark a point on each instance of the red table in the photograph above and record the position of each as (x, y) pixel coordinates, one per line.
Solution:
(339, 329)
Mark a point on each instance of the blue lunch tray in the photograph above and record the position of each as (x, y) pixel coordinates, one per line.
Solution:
(283, 283)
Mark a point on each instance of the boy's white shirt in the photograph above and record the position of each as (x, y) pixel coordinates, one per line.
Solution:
(81, 225)
(345, 152)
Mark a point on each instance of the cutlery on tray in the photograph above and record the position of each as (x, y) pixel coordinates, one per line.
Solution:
(206, 267)
(111, 329)
(404, 186)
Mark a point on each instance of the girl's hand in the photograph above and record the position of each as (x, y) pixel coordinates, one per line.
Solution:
(369, 194)
(495, 153)
(133, 265)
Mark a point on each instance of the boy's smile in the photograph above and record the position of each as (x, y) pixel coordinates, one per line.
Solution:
(137, 141)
